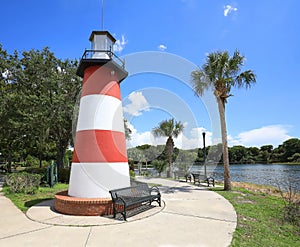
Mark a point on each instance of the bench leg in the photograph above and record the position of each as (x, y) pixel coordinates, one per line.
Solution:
(124, 214)
(114, 211)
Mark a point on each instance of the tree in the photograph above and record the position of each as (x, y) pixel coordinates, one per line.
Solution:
(149, 153)
(127, 129)
(238, 154)
(294, 158)
(220, 73)
(63, 95)
(159, 165)
(290, 147)
(169, 128)
(51, 88)
(38, 93)
(11, 114)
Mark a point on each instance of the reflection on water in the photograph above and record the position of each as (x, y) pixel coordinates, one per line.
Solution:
(269, 174)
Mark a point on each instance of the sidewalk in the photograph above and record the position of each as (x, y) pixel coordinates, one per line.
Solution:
(189, 216)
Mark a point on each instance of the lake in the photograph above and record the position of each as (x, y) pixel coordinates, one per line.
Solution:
(268, 174)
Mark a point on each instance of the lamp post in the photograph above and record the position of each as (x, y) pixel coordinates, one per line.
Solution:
(204, 152)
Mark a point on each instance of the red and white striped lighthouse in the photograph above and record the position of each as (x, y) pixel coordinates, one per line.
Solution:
(100, 159)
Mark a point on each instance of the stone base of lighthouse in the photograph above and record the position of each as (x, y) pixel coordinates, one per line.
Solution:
(65, 204)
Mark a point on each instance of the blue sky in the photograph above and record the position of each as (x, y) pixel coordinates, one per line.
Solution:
(266, 32)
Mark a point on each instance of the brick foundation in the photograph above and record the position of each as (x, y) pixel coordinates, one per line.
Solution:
(66, 204)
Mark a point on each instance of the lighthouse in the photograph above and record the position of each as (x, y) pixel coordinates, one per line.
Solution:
(100, 159)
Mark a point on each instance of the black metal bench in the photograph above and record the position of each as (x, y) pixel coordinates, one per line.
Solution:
(125, 198)
(198, 178)
(179, 174)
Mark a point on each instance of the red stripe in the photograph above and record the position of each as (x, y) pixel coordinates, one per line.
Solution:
(100, 146)
(99, 80)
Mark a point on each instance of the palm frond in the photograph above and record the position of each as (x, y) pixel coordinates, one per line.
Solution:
(245, 79)
(168, 128)
(222, 72)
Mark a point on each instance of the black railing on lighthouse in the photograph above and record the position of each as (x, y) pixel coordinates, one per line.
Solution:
(92, 54)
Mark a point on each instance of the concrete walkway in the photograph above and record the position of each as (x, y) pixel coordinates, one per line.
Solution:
(190, 216)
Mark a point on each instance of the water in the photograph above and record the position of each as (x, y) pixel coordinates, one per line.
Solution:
(266, 174)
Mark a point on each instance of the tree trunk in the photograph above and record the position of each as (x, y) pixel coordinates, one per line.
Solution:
(9, 160)
(221, 106)
(60, 156)
(40, 159)
(169, 151)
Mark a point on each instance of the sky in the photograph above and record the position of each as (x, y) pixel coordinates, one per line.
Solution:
(162, 42)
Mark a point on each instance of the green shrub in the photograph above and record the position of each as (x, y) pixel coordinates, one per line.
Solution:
(31, 161)
(23, 182)
(37, 170)
(146, 174)
(131, 173)
(291, 213)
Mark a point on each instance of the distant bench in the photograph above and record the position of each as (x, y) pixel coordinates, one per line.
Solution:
(179, 174)
(126, 198)
(198, 178)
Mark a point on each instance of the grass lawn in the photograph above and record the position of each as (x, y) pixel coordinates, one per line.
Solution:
(24, 201)
(260, 219)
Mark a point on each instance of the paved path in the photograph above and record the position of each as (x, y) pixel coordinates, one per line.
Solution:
(190, 216)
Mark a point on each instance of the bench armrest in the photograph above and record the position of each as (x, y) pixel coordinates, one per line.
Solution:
(119, 199)
(154, 189)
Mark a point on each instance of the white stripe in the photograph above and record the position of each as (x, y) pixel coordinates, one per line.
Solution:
(94, 180)
(100, 112)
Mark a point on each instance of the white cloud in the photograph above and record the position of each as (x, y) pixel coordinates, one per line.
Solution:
(137, 105)
(120, 44)
(184, 141)
(162, 47)
(228, 9)
(266, 135)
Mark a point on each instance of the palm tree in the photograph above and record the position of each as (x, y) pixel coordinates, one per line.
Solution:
(169, 128)
(220, 73)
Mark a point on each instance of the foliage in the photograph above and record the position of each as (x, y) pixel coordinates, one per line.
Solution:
(159, 165)
(258, 219)
(289, 151)
(127, 130)
(220, 73)
(291, 209)
(31, 161)
(169, 128)
(286, 151)
(23, 182)
(131, 173)
(38, 94)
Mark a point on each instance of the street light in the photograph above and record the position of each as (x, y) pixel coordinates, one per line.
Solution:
(204, 152)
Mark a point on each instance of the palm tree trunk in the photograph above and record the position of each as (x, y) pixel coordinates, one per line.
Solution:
(169, 151)
(221, 106)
